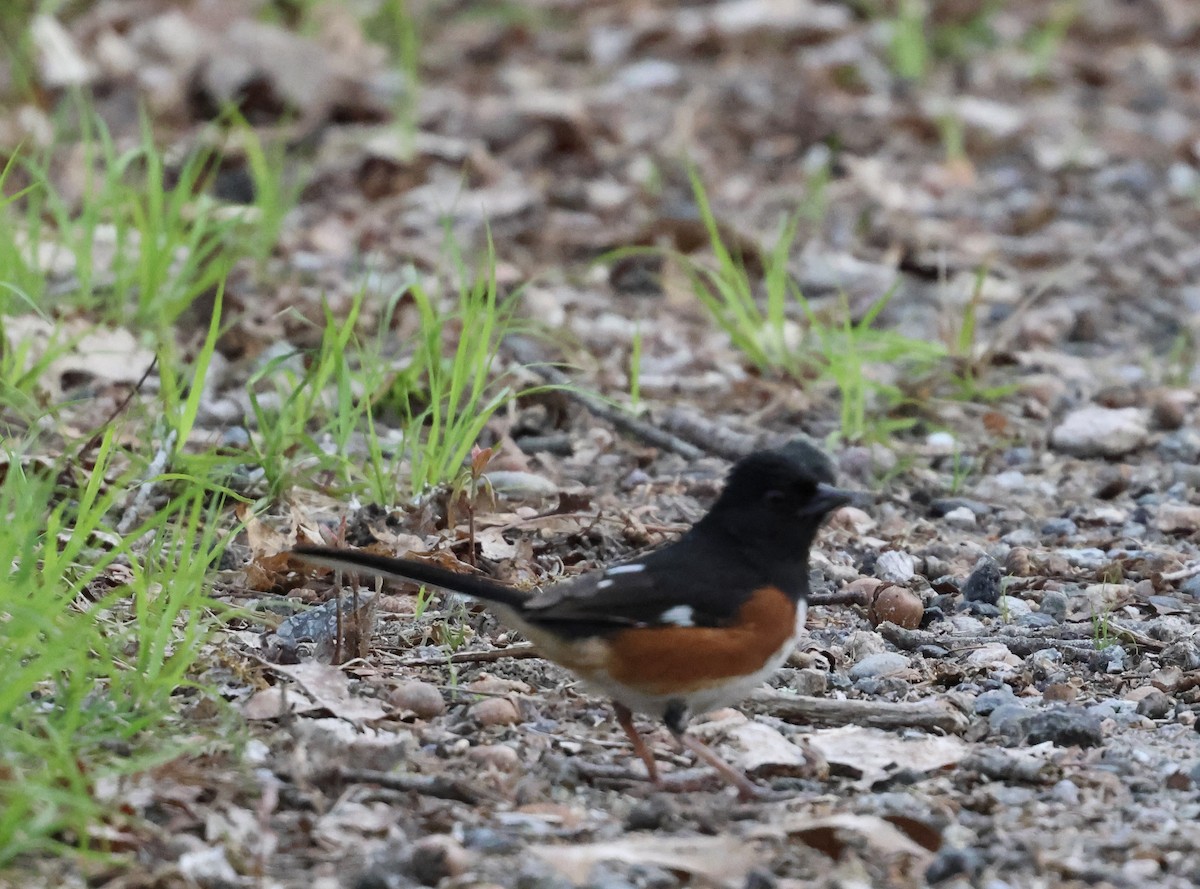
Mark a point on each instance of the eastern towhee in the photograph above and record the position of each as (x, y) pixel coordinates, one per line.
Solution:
(682, 630)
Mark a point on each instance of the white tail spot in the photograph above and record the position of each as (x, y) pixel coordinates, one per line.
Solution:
(679, 616)
(631, 568)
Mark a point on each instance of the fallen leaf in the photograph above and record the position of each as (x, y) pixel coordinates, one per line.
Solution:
(330, 688)
(869, 754)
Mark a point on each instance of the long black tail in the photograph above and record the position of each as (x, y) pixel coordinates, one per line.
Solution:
(409, 569)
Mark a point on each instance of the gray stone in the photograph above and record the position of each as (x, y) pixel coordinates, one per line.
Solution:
(1155, 705)
(998, 697)
(984, 583)
(1065, 727)
(1095, 431)
(1054, 604)
(1059, 528)
(881, 664)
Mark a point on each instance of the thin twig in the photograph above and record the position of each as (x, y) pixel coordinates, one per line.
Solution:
(486, 656)
(617, 417)
(437, 786)
(92, 442)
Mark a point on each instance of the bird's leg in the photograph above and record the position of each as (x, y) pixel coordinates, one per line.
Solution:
(676, 720)
(625, 720)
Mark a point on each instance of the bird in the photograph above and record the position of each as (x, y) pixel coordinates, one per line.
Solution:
(693, 626)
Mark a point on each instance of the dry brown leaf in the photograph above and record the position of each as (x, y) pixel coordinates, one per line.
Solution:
(330, 688)
(827, 834)
(872, 754)
(279, 700)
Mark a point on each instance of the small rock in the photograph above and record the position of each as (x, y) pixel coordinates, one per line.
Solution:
(895, 566)
(1167, 679)
(1062, 692)
(1154, 705)
(990, 700)
(521, 485)
(1021, 537)
(881, 664)
(984, 584)
(993, 654)
(494, 711)
(1059, 528)
(943, 507)
(1007, 723)
(1095, 431)
(1112, 481)
(1168, 410)
(940, 444)
(807, 681)
(436, 857)
(1177, 517)
(654, 813)
(1065, 727)
(1084, 557)
(420, 698)
(851, 518)
(498, 756)
(1012, 608)
(1054, 603)
(1191, 586)
(1066, 792)
(951, 862)
(1035, 620)
(1110, 659)
(960, 518)
(1182, 445)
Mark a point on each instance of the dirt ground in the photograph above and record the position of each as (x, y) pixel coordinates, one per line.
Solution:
(1044, 184)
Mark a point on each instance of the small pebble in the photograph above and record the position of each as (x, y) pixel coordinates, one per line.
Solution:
(1020, 537)
(1059, 528)
(993, 654)
(420, 698)
(1012, 608)
(945, 506)
(984, 584)
(951, 862)
(960, 518)
(499, 756)
(1155, 705)
(881, 664)
(1177, 517)
(1065, 726)
(1066, 792)
(1191, 586)
(1035, 621)
(436, 857)
(940, 443)
(895, 566)
(1183, 445)
(1095, 431)
(494, 711)
(1054, 602)
(990, 700)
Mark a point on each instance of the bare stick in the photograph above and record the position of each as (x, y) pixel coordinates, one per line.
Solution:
(621, 419)
(427, 785)
(487, 656)
(938, 714)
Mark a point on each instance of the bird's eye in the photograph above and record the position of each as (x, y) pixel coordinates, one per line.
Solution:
(775, 497)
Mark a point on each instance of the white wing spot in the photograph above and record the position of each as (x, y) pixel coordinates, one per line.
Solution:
(604, 584)
(679, 615)
(631, 568)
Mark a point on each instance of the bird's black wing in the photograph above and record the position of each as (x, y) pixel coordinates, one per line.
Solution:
(684, 584)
